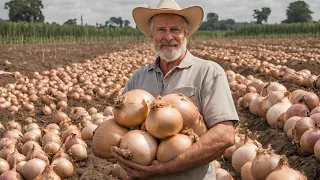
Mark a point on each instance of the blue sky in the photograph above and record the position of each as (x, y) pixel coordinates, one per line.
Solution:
(94, 11)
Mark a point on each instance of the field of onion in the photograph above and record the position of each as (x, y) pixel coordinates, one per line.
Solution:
(49, 116)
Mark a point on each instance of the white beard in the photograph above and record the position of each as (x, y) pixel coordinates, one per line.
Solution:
(170, 55)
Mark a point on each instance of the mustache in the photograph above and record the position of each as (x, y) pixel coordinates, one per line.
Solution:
(168, 43)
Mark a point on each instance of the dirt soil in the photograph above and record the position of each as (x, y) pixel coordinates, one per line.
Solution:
(36, 57)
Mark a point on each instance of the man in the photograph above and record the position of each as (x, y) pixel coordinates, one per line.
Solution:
(176, 70)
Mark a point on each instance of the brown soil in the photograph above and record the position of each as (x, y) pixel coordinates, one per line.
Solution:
(36, 57)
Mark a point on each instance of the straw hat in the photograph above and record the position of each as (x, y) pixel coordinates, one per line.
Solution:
(193, 15)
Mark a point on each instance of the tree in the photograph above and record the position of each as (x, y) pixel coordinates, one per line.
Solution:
(261, 15)
(212, 17)
(126, 23)
(70, 22)
(298, 11)
(25, 10)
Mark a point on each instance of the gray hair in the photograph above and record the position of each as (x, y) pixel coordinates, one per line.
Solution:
(186, 25)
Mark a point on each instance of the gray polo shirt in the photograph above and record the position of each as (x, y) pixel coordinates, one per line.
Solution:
(204, 82)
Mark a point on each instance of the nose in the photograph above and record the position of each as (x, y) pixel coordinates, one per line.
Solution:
(168, 36)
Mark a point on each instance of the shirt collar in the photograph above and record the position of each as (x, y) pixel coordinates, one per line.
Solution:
(186, 62)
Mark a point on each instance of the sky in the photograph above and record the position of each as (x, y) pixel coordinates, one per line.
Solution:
(98, 11)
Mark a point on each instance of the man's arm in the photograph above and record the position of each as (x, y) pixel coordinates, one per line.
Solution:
(210, 146)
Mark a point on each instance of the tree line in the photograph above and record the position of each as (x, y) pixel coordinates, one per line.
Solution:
(31, 11)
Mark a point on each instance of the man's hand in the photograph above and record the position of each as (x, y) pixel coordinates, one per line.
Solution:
(134, 170)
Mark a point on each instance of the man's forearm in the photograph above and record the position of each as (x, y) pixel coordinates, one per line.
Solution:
(210, 146)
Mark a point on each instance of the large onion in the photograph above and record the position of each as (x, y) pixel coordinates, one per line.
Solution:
(289, 125)
(301, 126)
(272, 99)
(297, 110)
(33, 168)
(254, 105)
(163, 120)
(78, 152)
(63, 167)
(272, 86)
(4, 166)
(276, 114)
(192, 119)
(264, 163)
(87, 132)
(243, 154)
(15, 158)
(141, 146)
(108, 134)
(310, 99)
(173, 146)
(12, 174)
(247, 98)
(283, 170)
(246, 171)
(132, 109)
(308, 140)
(48, 174)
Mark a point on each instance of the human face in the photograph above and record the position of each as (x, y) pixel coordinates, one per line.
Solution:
(169, 36)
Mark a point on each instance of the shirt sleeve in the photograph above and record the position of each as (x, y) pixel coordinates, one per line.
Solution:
(217, 103)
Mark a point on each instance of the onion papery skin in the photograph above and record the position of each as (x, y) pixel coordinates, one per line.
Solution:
(264, 163)
(246, 171)
(15, 158)
(254, 105)
(33, 168)
(192, 119)
(173, 146)
(316, 118)
(284, 171)
(247, 98)
(142, 145)
(63, 167)
(222, 174)
(276, 114)
(308, 141)
(132, 109)
(310, 99)
(108, 134)
(272, 99)
(78, 152)
(48, 174)
(289, 125)
(163, 120)
(87, 132)
(72, 141)
(316, 150)
(4, 166)
(272, 86)
(10, 175)
(315, 110)
(242, 155)
(302, 125)
(297, 110)
(295, 94)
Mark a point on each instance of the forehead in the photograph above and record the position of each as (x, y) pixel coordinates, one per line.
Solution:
(167, 19)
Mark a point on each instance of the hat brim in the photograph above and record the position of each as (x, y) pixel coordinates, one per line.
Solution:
(142, 16)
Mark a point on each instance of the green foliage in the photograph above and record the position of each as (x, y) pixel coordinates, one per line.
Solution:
(25, 10)
(298, 11)
(213, 23)
(261, 15)
(71, 22)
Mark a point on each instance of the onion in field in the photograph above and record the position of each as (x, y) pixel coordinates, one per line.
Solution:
(108, 134)
(7, 150)
(247, 98)
(12, 174)
(315, 110)
(87, 132)
(295, 94)
(59, 117)
(14, 125)
(15, 158)
(30, 136)
(289, 125)
(222, 174)
(33, 168)
(48, 174)
(72, 141)
(78, 152)
(63, 167)
(140, 146)
(254, 105)
(301, 126)
(272, 86)
(243, 154)
(37, 153)
(272, 99)
(316, 118)
(283, 170)
(246, 171)
(6, 141)
(276, 114)
(308, 140)
(310, 99)
(163, 120)
(173, 146)
(297, 110)
(4, 166)
(264, 163)
(132, 109)
(192, 119)
(28, 146)
(51, 148)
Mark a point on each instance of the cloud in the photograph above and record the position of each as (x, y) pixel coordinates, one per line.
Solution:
(98, 11)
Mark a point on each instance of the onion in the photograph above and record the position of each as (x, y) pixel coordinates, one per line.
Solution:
(243, 154)
(289, 125)
(264, 163)
(50, 137)
(12, 174)
(38, 153)
(302, 125)
(108, 111)
(14, 125)
(15, 158)
(63, 167)
(48, 174)
(33, 168)
(74, 140)
(60, 116)
(31, 126)
(70, 130)
(163, 120)
(228, 152)
(216, 164)
(20, 166)
(316, 118)
(315, 110)
(140, 145)
(246, 171)
(276, 114)
(12, 134)
(108, 134)
(6, 141)
(87, 132)
(7, 150)
(46, 110)
(173, 146)
(30, 136)
(247, 98)
(308, 140)
(132, 109)
(28, 146)
(317, 150)
(295, 94)
(62, 105)
(283, 170)
(192, 119)
(92, 110)
(4, 166)
(222, 174)
(78, 152)
(254, 105)
(52, 126)
(297, 110)
(272, 86)
(310, 99)
(272, 99)
(51, 148)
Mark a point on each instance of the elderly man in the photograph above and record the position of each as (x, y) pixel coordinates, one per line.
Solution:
(176, 70)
